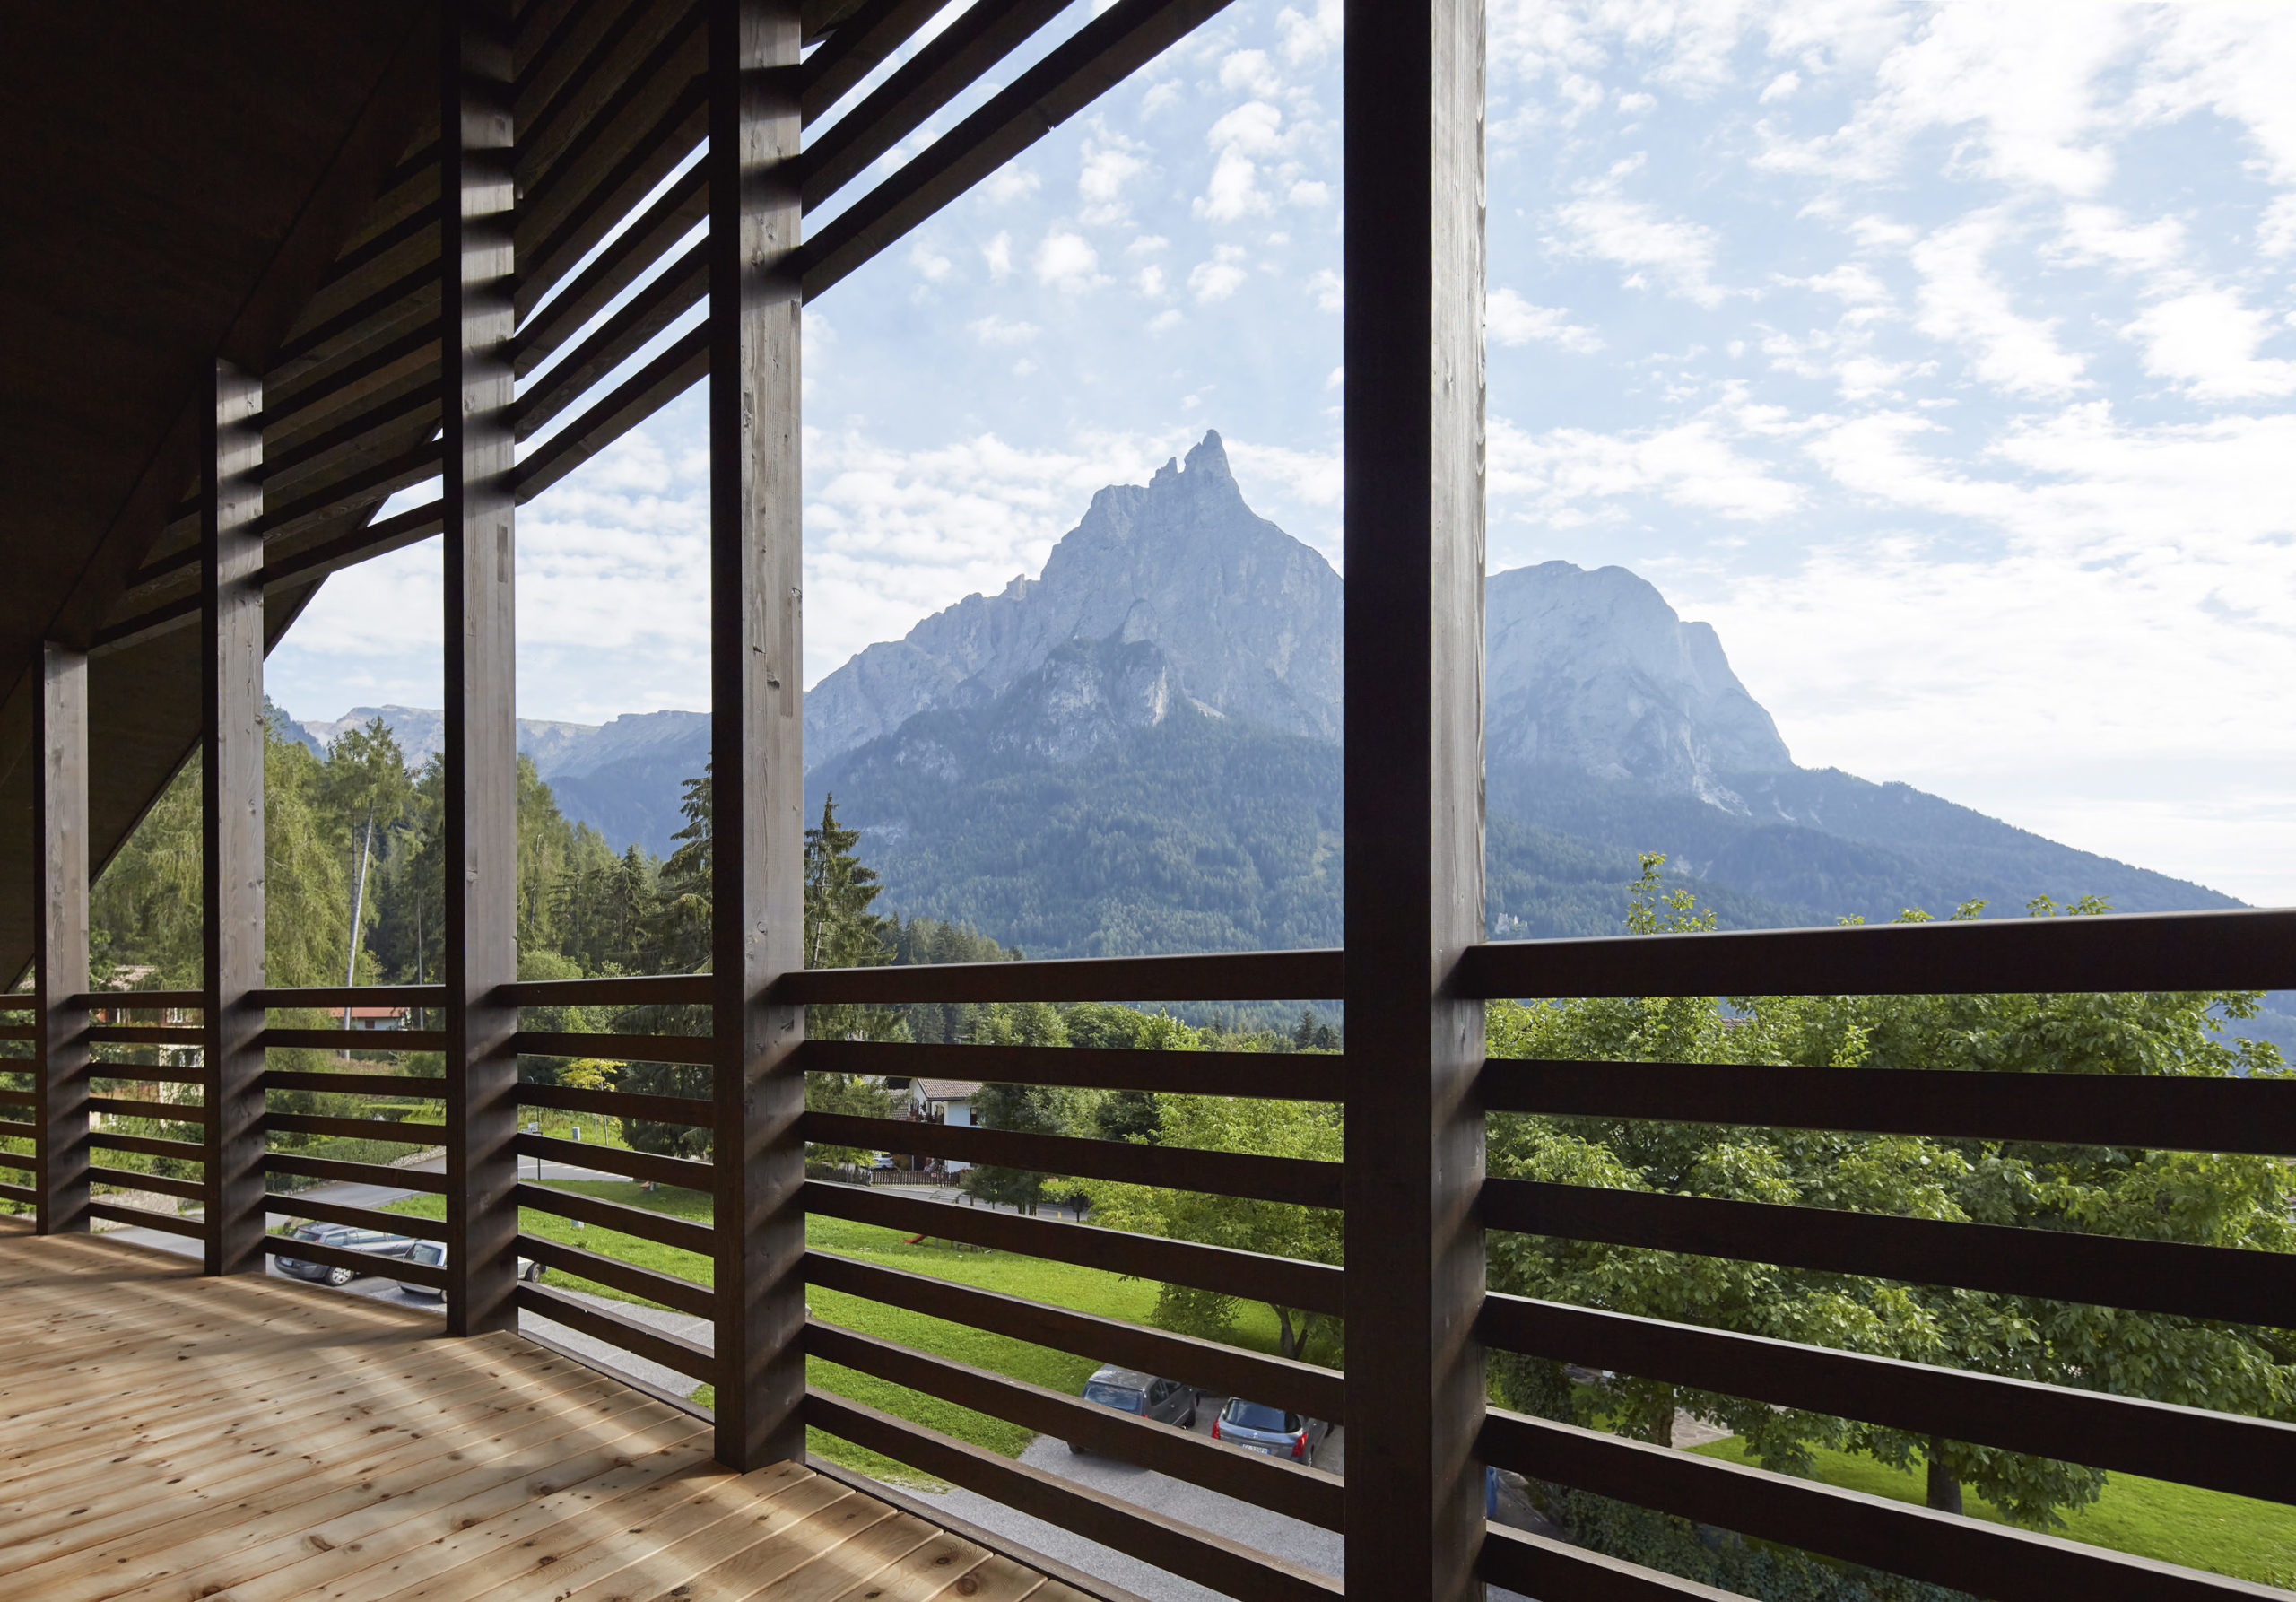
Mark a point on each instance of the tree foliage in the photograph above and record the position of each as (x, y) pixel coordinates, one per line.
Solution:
(2206, 1199)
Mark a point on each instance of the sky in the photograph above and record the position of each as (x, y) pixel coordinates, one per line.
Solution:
(1940, 355)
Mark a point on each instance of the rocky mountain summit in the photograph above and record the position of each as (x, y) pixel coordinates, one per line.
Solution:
(1136, 750)
(1247, 617)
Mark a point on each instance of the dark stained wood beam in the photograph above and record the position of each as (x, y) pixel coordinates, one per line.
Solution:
(1413, 535)
(757, 727)
(231, 837)
(60, 927)
(477, 278)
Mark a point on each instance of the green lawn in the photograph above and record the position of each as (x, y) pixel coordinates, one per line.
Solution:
(1087, 1290)
(2157, 1519)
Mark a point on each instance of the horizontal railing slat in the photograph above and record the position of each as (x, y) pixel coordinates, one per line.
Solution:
(1231, 976)
(1972, 1554)
(685, 1295)
(2243, 950)
(146, 1145)
(21, 1161)
(10, 1129)
(672, 1352)
(620, 1103)
(342, 996)
(404, 1132)
(1225, 1566)
(626, 1047)
(663, 1229)
(275, 1038)
(2155, 1112)
(405, 1086)
(350, 1173)
(21, 1194)
(1208, 1365)
(2221, 1451)
(358, 1262)
(138, 1073)
(140, 1001)
(618, 1160)
(1295, 1490)
(172, 1112)
(17, 1098)
(313, 1209)
(656, 989)
(144, 1218)
(144, 1035)
(1535, 1566)
(1310, 1286)
(157, 1184)
(1298, 1180)
(2160, 1277)
(1283, 1077)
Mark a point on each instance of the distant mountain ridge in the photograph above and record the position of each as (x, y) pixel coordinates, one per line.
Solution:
(625, 778)
(1137, 751)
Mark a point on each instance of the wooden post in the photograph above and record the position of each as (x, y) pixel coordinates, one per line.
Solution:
(60, 925)
(481, 821)
(1414, 547)
(230, 622)
(757, 730)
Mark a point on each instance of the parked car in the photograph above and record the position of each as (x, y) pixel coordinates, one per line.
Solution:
(1144, 1396)
(434, 1253)
(342, 1237)
(1271, 1430)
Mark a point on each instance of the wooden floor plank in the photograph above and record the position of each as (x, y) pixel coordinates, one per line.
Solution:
(167, 1437)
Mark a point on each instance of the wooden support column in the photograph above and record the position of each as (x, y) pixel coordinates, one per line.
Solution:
(1414, 547)
(230, 621)
(757, 729)
(60, 925)
(481, 821)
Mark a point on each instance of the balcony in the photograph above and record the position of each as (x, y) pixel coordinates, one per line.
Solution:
(377, 305)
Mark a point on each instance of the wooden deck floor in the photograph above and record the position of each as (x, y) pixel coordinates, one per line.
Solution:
(165, 1437)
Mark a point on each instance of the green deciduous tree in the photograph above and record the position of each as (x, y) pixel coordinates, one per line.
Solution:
(2216, 1200)
(1233, 1124)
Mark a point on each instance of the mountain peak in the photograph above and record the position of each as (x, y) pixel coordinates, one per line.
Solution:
(1247, 617)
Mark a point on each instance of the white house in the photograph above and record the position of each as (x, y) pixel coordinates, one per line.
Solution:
(943, 1102)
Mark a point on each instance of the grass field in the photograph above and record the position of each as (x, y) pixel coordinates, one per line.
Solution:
(1088, 1289)
(2204, 1529)
(2176, 1523)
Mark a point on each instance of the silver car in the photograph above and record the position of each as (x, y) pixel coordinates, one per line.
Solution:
(1269, 1430)
(1144, 1396)
(434, 1253)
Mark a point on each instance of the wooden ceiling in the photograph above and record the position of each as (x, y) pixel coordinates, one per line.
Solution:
(178, 180)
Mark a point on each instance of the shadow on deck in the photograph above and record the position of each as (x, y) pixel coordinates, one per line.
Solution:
(167, 1436)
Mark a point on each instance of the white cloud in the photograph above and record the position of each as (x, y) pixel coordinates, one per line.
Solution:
(2276, 229)
(1251, 72)
(1009, 183)
(1782, 87)
(1634, 234)
(993, 329)
(1566, 476)
(2206, 341)
(1309, 37)
(1217, 279)
(1107, 172)
(1166, 320)
(1150, 280)
(998, 254)
(1328, 288)
(1310, 192)
(1242, 138)
(1068, 262)
(1633, 104)
(930, 264)
(1963, 302)
(1509, 319)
